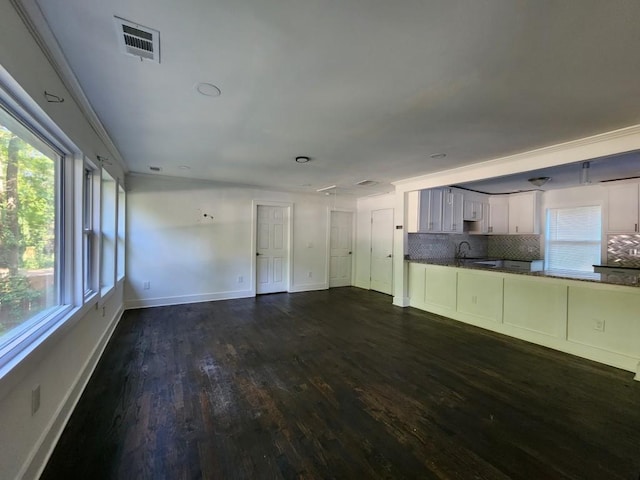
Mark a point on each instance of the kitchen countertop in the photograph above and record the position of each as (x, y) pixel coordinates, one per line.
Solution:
(631, 280)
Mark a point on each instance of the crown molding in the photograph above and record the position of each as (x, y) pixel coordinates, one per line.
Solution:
(33, 18)
(596, 146)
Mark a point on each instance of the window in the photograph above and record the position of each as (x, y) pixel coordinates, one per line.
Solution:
(573, 238)
(90, 189)
(30, 220)
(121, 233)
(108, 227)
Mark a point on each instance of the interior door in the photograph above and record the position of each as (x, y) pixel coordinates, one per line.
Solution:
(341, 248)
(272, 262)
(382, 250)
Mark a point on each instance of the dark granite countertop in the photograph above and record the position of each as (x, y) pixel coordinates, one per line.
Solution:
(618, 266)
(631, 280)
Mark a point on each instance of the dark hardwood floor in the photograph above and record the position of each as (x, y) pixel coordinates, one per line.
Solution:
(341, 384)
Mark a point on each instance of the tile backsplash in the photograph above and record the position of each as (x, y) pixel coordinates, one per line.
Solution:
(443, 245)
(514, 247)
(624, 250)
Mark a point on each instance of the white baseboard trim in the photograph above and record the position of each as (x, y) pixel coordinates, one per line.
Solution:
(37, 460)
(183, 299)
(308, 288)
(401, 301)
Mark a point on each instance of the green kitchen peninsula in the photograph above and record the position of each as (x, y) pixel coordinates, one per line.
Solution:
(592, 316)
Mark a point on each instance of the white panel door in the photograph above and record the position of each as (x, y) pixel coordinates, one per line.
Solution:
(341, 245)
(272, 262)
(381, 250)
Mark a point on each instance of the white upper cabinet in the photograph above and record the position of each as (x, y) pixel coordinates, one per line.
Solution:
(431, 210)
(452, 211)
(623, 208)
(498, 215)
(424, 211)
(472, 210)
(524, 212)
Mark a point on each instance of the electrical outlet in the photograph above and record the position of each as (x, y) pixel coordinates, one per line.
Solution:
(35, 399)
(310, 274)
(598, 325)
(240, 279)
(146, 285)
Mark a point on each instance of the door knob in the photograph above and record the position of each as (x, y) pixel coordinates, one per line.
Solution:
(257, 254)
(389, 256)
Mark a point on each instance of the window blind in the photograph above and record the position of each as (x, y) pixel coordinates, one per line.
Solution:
(573, 238)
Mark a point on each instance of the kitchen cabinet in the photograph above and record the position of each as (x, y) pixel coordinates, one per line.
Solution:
(524, 213)
(431, 210)
(472, 210)
(452, 210)
(498, 215)
(440, 287)
(535, 304)
(480, 295)
(623, 208)
(424, 211)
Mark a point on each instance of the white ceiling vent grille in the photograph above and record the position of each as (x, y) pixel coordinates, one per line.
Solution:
(137, 40)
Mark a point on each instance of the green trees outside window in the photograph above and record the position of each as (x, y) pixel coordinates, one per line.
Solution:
(27, 227)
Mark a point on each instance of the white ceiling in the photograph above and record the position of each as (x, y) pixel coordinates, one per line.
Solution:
(367, 89)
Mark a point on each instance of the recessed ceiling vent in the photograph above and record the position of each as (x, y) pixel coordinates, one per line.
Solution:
(367, 183)
(137, 40)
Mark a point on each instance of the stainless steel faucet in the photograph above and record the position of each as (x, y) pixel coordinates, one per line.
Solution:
(459, 253)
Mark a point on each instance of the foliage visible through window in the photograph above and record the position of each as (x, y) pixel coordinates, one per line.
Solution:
(108, 228)
(121, 232)
(573, 238)
(27, 226)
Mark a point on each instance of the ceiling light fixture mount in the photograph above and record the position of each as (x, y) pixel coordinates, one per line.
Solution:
(539, 181)
(303, 159)
(208, 89)
(437, 155)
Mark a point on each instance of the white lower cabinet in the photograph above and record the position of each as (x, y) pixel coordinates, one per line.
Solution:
(480, 295)
(539, 305)
(591, 320)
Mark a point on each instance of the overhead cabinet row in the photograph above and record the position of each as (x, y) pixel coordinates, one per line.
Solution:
(448, 210)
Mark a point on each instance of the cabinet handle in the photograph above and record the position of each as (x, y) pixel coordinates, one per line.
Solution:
(636, 227)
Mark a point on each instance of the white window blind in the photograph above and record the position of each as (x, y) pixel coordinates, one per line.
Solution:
(573, 238)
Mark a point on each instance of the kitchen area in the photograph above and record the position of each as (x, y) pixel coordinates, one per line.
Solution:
(550, 256)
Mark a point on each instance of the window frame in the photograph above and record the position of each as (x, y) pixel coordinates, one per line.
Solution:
(25, 337)
(549, 243)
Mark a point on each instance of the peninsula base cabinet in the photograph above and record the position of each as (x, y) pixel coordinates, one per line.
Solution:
(480, 295)
(596, 321)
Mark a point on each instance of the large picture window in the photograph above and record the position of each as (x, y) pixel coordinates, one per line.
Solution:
(573, 238)
(29, 243)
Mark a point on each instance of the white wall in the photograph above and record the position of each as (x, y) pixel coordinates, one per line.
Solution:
(62, 363)
(187, 257)
(367, 205)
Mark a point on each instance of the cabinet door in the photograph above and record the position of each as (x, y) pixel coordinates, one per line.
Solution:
(480, 295)
(435, 210)
(498, 215)
(452, 211)
(623, 208)
(523, 213)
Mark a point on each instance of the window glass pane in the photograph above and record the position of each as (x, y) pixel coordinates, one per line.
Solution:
(108, 229)
(121, 231)
(573, 238)
(28, 243)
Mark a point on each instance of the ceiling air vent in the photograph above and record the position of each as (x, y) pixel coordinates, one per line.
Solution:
(367, 183)
(137, 40)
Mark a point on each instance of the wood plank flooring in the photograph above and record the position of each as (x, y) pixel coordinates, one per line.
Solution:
(341, 384)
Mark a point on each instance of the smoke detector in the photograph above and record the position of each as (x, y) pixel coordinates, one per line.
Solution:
(137, 40)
